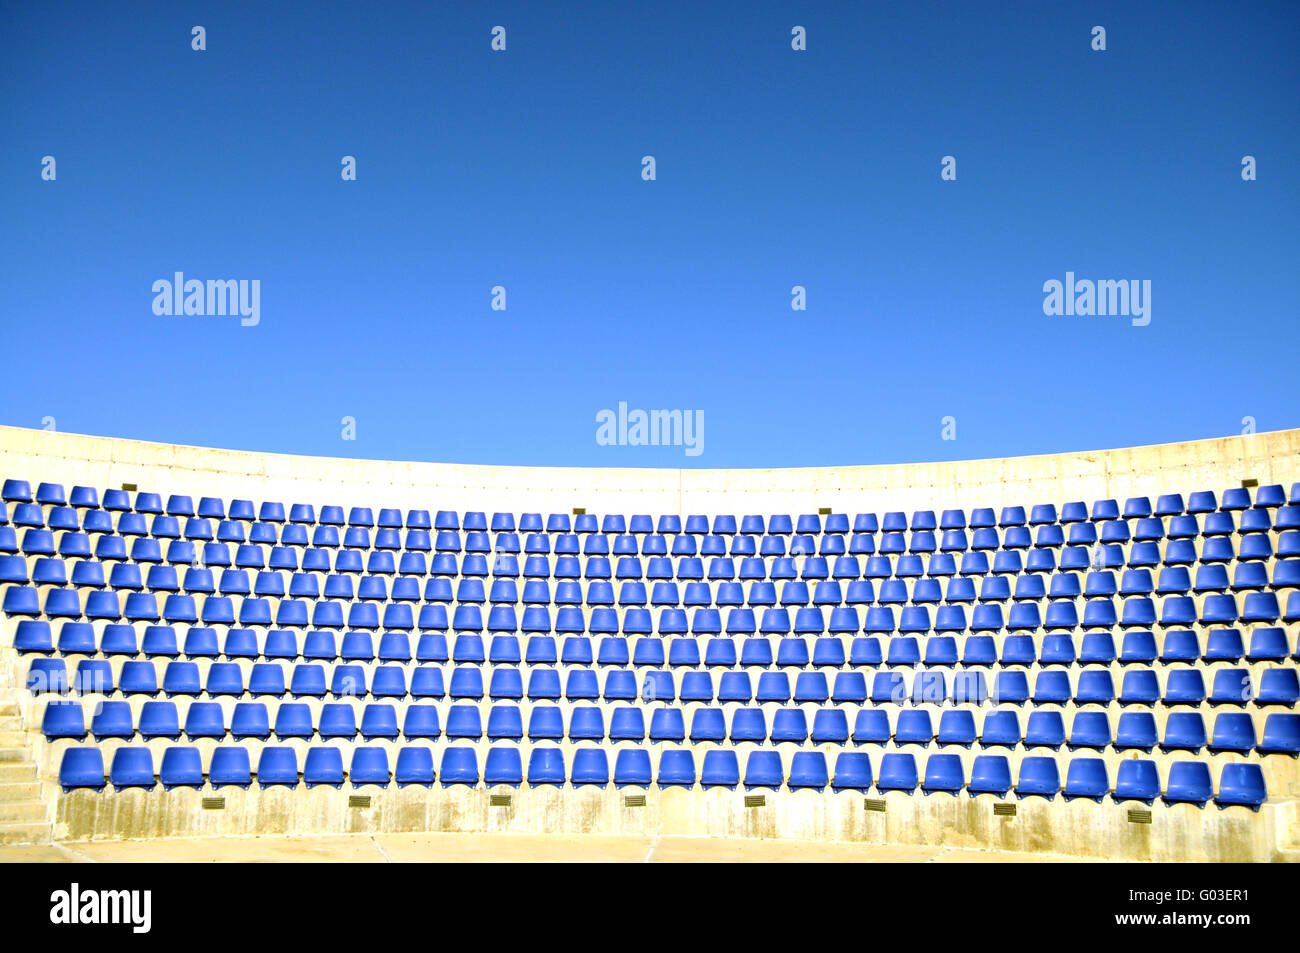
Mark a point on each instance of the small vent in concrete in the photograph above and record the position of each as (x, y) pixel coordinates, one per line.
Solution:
(1004, 810)
(1249, 484)
(214, 803)
(755, 800)
(1139, 816)
(874, 804)
(823, 511)
(579, 511)
(129, 487)
(634, 800)
(498, 800)
(358, 800)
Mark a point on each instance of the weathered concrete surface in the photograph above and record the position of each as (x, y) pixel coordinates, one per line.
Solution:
(498, 848)
(1177, 832)
(1050, 478)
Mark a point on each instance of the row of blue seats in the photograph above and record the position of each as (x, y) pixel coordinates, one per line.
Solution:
(1115, 549)
(1100, 612)
(1135, 730)
(1093, 686)
(1187, 782)
(846, 585)
(858, 562)
(1170, 504)
(216, 557)
(197, 530)
(1267, 644)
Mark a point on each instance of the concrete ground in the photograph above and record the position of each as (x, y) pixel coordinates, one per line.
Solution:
(505, 848)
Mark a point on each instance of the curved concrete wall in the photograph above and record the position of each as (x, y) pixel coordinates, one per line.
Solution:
(1052, 478)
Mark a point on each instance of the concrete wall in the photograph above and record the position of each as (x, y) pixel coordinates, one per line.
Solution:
(1138, 471)
(1179, 832)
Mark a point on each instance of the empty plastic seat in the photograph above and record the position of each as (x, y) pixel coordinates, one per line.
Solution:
(132, 767)
(676, 769)
(914, 727)
(82, 768)
(898, 772)
(1184, 731)
(1136, 781)
(337, 720)
(1087, 778)
(63, 720)
(460, 766)
(1038, 776)
(1184, 687)
(632, 767)
(990, 774)
(763, 769)
(1189, 782)
(250, 720)
(943, 772)
(1232, 686)
(181, 767)
(808, 770)
(546, 766)
(1281, 735)
(112, 719)
(202, 720)
(1233, 731)
(1241, 784)
(323, 765)
(1000, 729)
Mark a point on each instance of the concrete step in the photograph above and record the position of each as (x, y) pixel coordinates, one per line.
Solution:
(23, 812)
(9, 708)
(13, 772)
(24, 833)
(11, 723)
(19, 791)
(10, 754)
(12, 738)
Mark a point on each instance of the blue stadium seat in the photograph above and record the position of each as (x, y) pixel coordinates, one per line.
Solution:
(546, 766)
(943, 772)
(459, 766)
(1184, 731)
(1136, 730)
(632, 768)
(1233, 731)
(1000, 729)
(591, 767)
(294, 720)
(898, 772)
(1241, 784)
(990, 774)
(1281, 735)
(82, 768)
(414, 766)
(763, 769)
(1087, 778)
(63, 720)
(1188, 782)
(250, 720)
(676, 769)
(132, 767)
(1044, 729)
(1136, 781)
(1038, 776)
(181, 767)
(503, 766)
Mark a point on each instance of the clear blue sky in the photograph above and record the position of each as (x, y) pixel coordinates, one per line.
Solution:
(775, 168)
